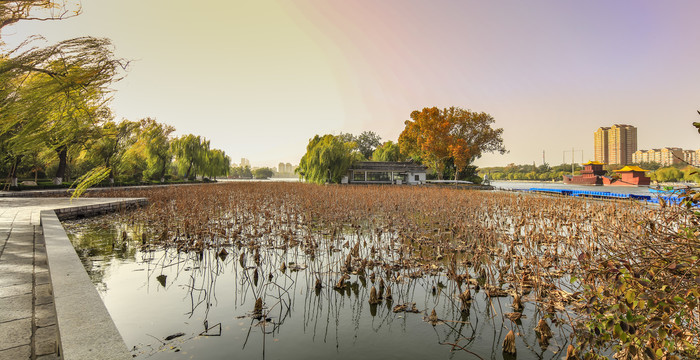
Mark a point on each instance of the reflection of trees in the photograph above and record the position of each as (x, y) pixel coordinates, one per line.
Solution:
(97, 244)
(281, 274)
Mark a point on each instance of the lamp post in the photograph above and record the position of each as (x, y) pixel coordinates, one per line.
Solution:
(572, 158)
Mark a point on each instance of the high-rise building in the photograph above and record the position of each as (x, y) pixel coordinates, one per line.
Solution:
(615, 144)
(600, 144)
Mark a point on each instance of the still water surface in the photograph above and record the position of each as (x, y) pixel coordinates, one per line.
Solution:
(525, 185)
(209, 298)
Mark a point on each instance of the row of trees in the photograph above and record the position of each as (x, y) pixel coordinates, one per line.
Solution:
(244, 172)
(674, 174)
(55, 119)
(447, 141)
(125, 152)
(528, 172)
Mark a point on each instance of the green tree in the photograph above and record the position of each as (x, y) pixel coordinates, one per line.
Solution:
(190, 153)
(365, 143)
(217, 163)
(691, 174)
(327, 159)
(263, 173)
(156, 138)
(56, 94)
(241, 172)
(667, 174)
(112, 144)
(389, 151)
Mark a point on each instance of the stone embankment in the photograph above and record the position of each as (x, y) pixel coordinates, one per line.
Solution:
(49, 308)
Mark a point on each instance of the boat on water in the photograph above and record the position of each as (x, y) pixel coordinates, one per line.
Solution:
(594, 174)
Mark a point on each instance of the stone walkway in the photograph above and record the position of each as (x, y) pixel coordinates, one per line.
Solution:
(28, 327)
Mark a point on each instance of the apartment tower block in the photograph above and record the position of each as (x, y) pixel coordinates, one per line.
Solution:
(615, 144)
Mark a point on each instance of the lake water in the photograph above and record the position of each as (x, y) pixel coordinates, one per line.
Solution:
(524, 185)
(208, 300)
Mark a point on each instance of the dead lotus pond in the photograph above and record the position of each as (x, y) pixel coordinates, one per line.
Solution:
(291, 270)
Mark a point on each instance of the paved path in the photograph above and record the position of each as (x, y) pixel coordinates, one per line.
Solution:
(28, 327)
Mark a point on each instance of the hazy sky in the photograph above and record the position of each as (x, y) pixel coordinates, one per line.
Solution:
(260, 78)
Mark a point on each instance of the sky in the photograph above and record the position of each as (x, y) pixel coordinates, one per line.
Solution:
(260, 78)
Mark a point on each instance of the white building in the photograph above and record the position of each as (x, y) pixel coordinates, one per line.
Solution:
(389, 172)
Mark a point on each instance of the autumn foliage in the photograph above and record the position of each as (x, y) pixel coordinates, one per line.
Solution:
(453, 135)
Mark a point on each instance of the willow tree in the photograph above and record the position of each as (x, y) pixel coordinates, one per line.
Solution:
(112, 144)
(389, 151)
(218, 163)
(13, 11)
(155, 138)
(327, 159)
(190, 154)
(56, 93)
(449, 137)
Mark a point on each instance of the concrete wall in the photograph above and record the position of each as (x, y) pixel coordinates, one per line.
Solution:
(412, 178)
(86, 330)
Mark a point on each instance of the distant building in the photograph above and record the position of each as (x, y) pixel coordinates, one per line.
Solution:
(667, 156)
(691, 157)
(629, 176)
(671, 156)
(245, 162)
(622, 143)
(600, 145)
(615, 144)
(285, 168)
(592, 174)
(640, 156)
(386, 172)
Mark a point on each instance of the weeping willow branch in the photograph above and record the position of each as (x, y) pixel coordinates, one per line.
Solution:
(91, 178)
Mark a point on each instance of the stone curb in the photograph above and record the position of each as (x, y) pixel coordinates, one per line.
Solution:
(75, 212)
(85, 328)
(68, 192)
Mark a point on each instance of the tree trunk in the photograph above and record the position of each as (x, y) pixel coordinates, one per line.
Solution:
(13, 171)
(162, 172)
(187, 173)
(111, 173)
(62, 163)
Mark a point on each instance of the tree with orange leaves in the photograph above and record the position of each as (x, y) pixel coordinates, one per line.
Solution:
(449, 136)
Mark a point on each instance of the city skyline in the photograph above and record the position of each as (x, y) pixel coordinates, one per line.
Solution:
(260, 78)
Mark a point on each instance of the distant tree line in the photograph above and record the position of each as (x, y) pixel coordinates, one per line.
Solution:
(245, 172)
(447, 141)
(128, 152)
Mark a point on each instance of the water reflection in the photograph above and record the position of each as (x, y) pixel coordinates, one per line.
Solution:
(280, 302)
